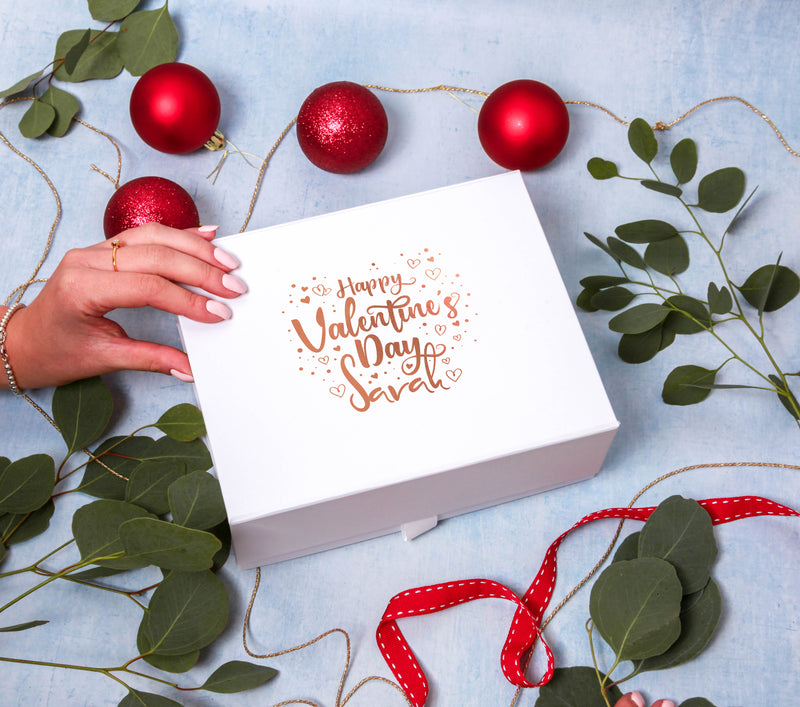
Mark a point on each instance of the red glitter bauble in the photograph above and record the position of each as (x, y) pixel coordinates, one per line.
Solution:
(147, 200)
(175, 108)
(523, 125)
(342, 127)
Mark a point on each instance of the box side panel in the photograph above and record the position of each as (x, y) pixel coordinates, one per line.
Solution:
(361, 516)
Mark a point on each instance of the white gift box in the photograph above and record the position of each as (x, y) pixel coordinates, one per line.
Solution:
(393, 365)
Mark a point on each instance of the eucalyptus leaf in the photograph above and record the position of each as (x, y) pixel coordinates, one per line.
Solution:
(23, 627)
(122, 455)
(719, 299)
(238, 676)
(576, 687)
(94, 573)
(73, 56)
(600, 282)
(99, 60)
(690, 315)
(221, 532)
(37, 119)
(148, 484)
(137, 698)
(683, 160)
(168, 546)
(194, 454)
(602, 169)
(661, 187)
(3, 552)
(96, 528)
(612, 299)
(29, 525)
(642, 140)
(639, 318)
(785, 396)
(623, 252)
(646, 231)
(26, 484)
(669, 257)
(21, 85)
(111, 10)
(683, 385)
(82, 411)
(700, 615)
(639, 348)
(680, 531)
(195, 501)
(596, 241)
(584, 300)
(696, 702)
(187, 611)
(65, 106)
(770, 287)
(720, 191)
(635, 605)
(628, 549)
(183, 422)
(147, 38)
(173, 663)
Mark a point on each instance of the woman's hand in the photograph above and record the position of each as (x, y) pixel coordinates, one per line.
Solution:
(63, 334)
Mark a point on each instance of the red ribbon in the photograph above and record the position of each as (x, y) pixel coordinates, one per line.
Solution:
(525, 626)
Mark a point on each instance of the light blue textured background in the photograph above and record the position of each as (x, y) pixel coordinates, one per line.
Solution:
(649, 59)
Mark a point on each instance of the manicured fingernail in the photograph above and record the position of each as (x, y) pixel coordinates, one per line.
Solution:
(207, 229)
(663, 703)
(218, 309)
(636, 698)
(185, 377)
(233, 283)
(225, 258)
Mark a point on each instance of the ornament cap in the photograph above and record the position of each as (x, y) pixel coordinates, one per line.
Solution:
(216, 141)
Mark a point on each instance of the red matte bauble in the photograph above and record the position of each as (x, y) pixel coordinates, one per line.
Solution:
(342, 127)
(523, 125)
(148, 200)
(175, 108)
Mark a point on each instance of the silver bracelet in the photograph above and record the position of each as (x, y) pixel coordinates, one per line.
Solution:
(12, 381)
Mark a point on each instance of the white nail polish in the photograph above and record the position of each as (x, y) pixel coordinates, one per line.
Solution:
(207, 229)
(218, 309)
(185, 377)
(233, 283)
(225, 258)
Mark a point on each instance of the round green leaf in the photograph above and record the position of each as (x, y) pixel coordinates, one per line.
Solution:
(65, 106)
(623, 252)
(670, 256)
(700, 615)
(158, 542)
(770, 287)
(612, 299)
(639, 348)
(720, 191)
(122, 455)
(82, 411)
(642, 140)
(635, 605)
(148, 484)
(683, 160)
(584, 300)
(719, 300)
(238, 676)
(30, 525)
(26, 484)
(147, 38)
(96, 528)
(173, 663)
(661, 187)
(194, 454)
(37, 119)
(686, 385)
(602, 169)
(187, 612)
(646, 231)
(639, 318)
(195, 501)
(183, 422)
(696, 702)
(690, 316)
(575, 687)
(680, 531)
(628, 549)
(137, 698)
(111, 10)
(99, 60)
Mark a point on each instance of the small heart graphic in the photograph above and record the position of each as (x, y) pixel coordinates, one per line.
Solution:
(440, 329)
(456, 323)
(305, 289)
(338, 390)
(412, 262)
(323, 360)
(430, 260)
(434, 273)
(337, 348)
(446, 360)
(374, 375)
(321, 290)
(454, 375)
(457, 337)
(305, 300)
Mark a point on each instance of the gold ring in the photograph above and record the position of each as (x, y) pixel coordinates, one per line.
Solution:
(114, 245)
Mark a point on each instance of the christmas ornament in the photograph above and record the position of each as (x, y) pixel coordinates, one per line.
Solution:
(147, 200)
(342, 127)
(523, 124)
(175, 108)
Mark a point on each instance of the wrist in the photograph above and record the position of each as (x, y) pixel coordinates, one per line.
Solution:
(8, 378)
